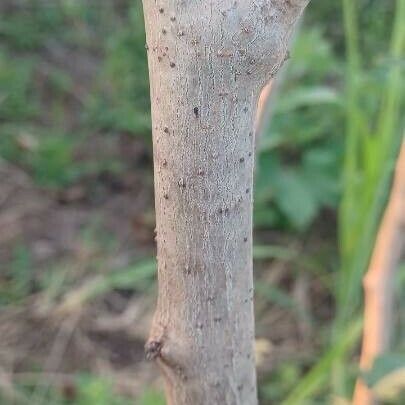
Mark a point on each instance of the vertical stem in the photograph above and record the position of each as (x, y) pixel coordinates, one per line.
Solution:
(203, 330)
(348, 220)
(351, 164)
(207, 63)
(378, 281)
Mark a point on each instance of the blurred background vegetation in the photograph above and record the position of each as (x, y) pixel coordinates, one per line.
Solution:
(77, 274)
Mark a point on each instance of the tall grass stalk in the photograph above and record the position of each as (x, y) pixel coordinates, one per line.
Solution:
(369, 158)
(370, 153)
(369, 162)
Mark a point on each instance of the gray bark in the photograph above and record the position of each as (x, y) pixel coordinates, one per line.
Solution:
(208, 61)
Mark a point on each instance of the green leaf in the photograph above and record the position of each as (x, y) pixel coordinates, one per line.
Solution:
(313, 380)
(268, 169)
(265, 216)
(387, 378)
(294, 198)
(384, 365)
(131, 277)
(321, 171)
(307, 96)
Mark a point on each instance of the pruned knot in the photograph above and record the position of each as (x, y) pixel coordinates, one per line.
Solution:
(153, 349)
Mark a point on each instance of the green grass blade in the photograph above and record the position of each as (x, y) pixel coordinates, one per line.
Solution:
(313, 380)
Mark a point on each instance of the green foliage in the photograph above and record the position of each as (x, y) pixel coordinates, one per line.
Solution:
(302, 149)
(52, 162)
(373, 136)
(95, 390)
(49, 157)
(83, 389)
(331, 145)
(373, 103)
(384, 365)
(17, 101)
(18, 278)
(138, 276)
(279, 383)
(151, 397)
(36, 94)
(28, 27)
(371, 148)
(387, 378)
(313, 381)
(122, 102)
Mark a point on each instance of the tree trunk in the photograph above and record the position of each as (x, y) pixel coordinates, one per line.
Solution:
(208, 61)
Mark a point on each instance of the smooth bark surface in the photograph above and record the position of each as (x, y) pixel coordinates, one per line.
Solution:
(208, 61)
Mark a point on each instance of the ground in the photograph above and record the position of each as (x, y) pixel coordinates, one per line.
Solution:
(77, 268)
